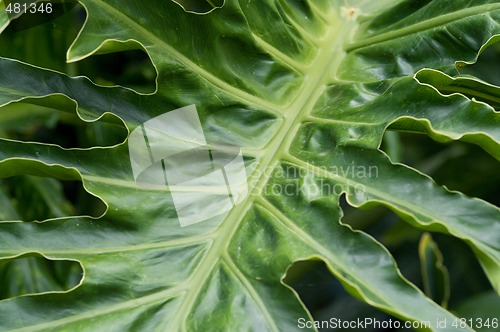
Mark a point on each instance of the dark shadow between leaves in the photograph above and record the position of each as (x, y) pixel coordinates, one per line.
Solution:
(42, 39)
(37, 12)
(457, 165)
(32, 198)
(132, 69)
(32, 274)
(486, 67)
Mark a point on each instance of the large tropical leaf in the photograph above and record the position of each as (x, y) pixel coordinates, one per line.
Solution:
(306, 89)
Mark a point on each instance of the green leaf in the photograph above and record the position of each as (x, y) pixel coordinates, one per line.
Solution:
(435, 275)
(307, 90)
(470, 87)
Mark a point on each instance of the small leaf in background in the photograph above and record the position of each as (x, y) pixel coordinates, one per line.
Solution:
(307, 90)
(482, 311)
(35, 274)
(436, 279)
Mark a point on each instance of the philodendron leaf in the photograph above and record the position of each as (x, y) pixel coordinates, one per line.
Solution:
(306, 90)
(435, 275)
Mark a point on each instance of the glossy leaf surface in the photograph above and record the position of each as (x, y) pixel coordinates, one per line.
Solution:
(306, 89)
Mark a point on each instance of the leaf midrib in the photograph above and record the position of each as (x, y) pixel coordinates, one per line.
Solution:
(329, 55)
